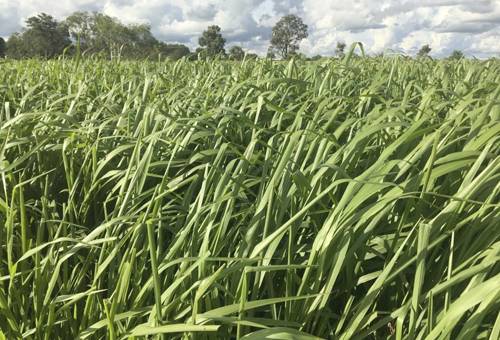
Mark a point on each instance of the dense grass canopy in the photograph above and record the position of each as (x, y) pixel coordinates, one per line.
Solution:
(220, 200)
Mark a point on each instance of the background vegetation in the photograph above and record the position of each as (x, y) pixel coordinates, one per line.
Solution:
(94, 33)
(89, 33)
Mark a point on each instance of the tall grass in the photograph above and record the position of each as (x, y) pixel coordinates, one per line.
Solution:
(218, 200)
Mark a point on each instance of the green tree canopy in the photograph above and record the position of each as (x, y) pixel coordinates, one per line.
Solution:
(424, 51)
(43, 37)
(270, 53)
(173, 51)
(457, 55)
(212, 41)
(81, 26)
(15, 47)
(340, 48)
(100, 33)
(287, 34)
(252, 56)
(236, 53)
(3, 47)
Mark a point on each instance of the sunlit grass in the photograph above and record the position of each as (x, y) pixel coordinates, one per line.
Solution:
(208, 200)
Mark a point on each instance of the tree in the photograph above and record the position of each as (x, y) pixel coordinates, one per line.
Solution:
(3, 47)
(339, 49)
(457, 55)
(81, 27)
(236, 53)
(286, 35)
(100, 33)
(16, 48)
(139, 41)
(424, 51)
(297, 55)
(199, 53)
(114, 38)
(270, 53)
(212, 41)
(173, 51)
(43, 37)
(94, 32)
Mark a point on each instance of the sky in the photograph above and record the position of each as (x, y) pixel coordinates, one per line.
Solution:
(401, 26)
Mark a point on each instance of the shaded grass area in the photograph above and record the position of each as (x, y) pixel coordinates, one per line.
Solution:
(220, 200)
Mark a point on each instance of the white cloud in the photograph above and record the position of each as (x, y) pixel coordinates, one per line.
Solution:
(405, 25)
(401, 25)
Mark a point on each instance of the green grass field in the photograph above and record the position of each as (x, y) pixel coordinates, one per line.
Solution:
(340, 199)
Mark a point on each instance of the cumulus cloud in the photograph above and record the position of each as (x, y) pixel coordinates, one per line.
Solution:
(400, 25)
(405, 25)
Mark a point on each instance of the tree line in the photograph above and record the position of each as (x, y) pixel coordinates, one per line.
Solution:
(87, 33)
(91, 33)
(94, 33)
